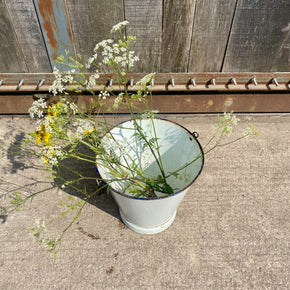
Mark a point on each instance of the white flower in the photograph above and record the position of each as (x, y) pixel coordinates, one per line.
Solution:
(51, 154)
(119, 26)
(104, 94)
(132, 59)
(74, 108)
(226, 122)
(56, 72)
(149, 114)
(82, 126)
(58, 85)
(146, 79)
(92, 81)
(68, 78)
(118, 100)
(103, 44)
(91, 60)
(37, 108)
(252, 130)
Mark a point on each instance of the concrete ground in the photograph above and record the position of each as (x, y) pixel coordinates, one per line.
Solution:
(232, 230)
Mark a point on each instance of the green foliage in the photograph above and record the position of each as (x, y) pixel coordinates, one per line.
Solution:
(17, 200)
(63, 128)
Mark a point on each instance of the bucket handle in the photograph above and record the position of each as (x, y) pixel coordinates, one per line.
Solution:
(195, 134)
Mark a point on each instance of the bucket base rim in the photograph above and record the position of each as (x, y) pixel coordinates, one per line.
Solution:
(147, 231)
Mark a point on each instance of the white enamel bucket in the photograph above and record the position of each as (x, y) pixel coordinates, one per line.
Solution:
(178, 148)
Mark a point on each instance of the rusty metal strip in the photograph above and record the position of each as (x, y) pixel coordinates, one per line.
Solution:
(175, 103)
(211, 103)
(163, 82)
(55, 26)
(172, 93)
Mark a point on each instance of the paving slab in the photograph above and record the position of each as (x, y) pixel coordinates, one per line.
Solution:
(232, 230)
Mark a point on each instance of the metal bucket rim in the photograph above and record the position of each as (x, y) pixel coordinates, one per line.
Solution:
(169, 195)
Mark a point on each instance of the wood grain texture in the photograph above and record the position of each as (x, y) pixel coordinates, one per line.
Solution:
(211, 28)
(29, 35)
(145, 22)
(11, 57)
(176, 37)
(260, 37)
(92, 21)
(176, 103)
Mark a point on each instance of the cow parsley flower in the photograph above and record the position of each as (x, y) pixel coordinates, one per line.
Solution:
(119, 26)
(149, 114)
(103, 44)
(37, 108)
(103, 95)
(52, 154)
(91, 60)
(60, 81)
(251, 130)
(83, 126)
(92, 81)
(118, 100)
(74, 108)
(226, 123)
(146, 80)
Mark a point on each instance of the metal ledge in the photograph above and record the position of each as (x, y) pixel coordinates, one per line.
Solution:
(172, 92)
(169, 82)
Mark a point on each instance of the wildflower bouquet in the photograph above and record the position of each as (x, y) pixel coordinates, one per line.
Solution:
(63, 127)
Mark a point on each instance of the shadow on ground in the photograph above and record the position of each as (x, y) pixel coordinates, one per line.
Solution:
(19, 162)
(99, 197)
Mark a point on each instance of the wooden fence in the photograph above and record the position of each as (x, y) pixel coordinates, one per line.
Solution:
(179, 39)
(172, 35)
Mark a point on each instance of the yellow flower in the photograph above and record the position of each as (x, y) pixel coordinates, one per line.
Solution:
(42, 135)
(52, 110)
(88, 131)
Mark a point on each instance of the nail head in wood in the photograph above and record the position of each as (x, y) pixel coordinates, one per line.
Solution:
(41, 82)
(233, 81)
(254, 81)
(20, 84)
(274, 80)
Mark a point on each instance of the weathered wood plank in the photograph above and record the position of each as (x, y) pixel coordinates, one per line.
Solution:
(222, 102)
(145, 22)
(29, 36)
(11, 57)
(260, 37)
(177, 103)
(177, 31)
(92, 21)
(56, 28)
(211, 28)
